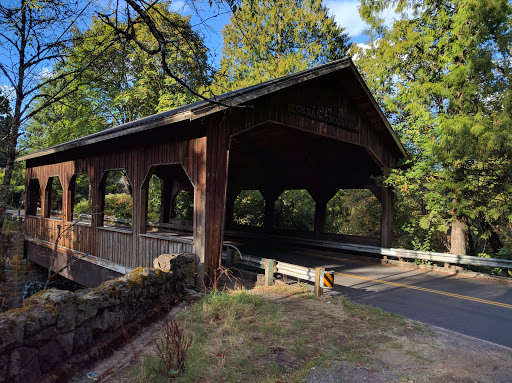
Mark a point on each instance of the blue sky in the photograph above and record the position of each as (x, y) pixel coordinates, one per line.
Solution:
(214, 18)
(209, 21)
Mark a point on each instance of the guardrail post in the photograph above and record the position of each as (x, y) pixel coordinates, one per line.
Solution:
(319, 291)
(269, 271)
(230, 259)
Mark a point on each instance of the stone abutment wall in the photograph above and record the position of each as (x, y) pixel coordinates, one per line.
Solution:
(53, 325)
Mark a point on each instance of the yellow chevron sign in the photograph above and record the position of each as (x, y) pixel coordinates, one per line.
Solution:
(327, 279)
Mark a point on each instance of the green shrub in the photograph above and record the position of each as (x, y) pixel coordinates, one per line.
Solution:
(119, 205)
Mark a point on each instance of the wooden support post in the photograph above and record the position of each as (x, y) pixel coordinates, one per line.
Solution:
(230, 207)
(269, 271)
(68, 197)
(98, 199)
(230, 260)
(319, 291)
(165, 199)
(143, 218)
(47, 203)
(386, 236)
(210, 199)
(320, 216)
(268, 223)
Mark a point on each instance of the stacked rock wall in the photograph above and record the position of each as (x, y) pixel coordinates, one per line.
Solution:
(54, 324)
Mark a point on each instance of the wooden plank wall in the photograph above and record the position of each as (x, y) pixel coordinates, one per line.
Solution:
(280, 107)
(120, 246)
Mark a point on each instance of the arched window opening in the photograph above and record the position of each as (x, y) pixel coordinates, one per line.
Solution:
(81, 199)
(168, 197)
(34, 198)
(53, 194)
(295, 211)
(249, 209)
(354, 212)
(117, 200)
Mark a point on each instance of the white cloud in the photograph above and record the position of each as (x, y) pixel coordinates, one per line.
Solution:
(346, 15)
(364, 47)
(8, 91)
(46, 73)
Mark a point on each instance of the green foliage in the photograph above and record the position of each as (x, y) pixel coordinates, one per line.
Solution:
(184, 205)
(295, 210)
(442, 74)
(249, 209)
(354, 212)
(118, 199)
(17, 186)
(83, 207)
(56, 196)
(119, 205)
(82, 186)
(271, 38)
(123, 83)
(154, 200)
(504, 253)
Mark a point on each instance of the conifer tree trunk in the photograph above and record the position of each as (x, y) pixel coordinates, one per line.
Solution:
(458, 237)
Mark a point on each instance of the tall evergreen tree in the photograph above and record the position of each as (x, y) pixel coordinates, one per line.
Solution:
(443, 71)
(267, 39)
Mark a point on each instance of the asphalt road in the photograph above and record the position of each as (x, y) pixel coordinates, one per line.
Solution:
(476, 307)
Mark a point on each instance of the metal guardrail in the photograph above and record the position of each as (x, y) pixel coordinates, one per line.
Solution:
(300, 272)
(392, 252)
(407, 254)
(272, 266)
(429, 256)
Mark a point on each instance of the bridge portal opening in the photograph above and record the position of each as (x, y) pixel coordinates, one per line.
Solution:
(311, 186)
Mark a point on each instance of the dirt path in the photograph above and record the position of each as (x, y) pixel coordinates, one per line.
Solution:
(411, 352)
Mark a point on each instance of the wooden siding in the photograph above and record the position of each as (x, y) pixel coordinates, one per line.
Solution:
(125, 247)
(281, 108)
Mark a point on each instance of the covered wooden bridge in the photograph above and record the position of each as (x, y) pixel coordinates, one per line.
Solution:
(319, 130)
